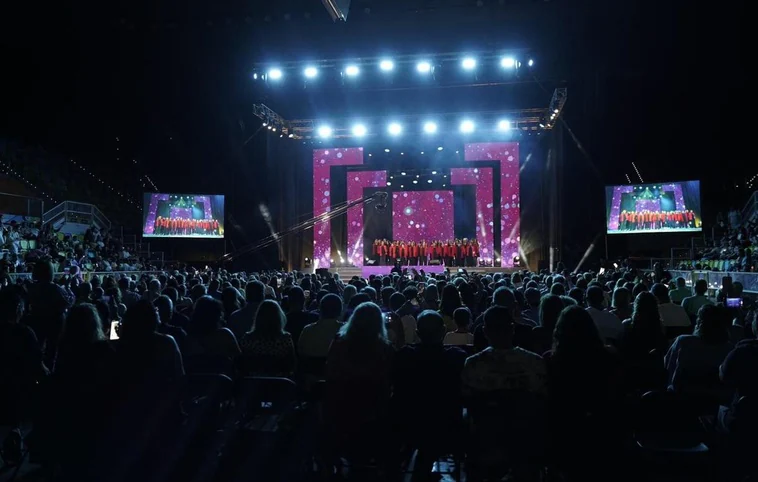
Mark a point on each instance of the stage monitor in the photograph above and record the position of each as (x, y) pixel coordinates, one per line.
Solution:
(183, 216)
(669, 207)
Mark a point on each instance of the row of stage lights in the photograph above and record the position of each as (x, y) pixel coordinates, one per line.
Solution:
(387, 66)
(395, 129)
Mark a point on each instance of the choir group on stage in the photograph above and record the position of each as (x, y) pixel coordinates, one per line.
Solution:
(644, 220)
(185, 227)
(459, 252)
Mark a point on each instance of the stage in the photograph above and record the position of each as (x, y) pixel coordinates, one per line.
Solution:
(347, 272)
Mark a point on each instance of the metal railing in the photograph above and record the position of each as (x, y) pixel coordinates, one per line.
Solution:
(74, 207)
(713, 278)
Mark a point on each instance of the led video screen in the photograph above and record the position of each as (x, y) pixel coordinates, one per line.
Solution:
(669, 207)
(183, 216)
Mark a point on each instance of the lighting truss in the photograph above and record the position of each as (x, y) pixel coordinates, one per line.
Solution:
(521, 120)
(488, 67)
(271, 120)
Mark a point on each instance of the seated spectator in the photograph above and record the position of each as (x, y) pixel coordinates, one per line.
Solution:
(681, 292)
(673, 316)
(551, 307)
(737, 373)
(231, 300)
(242, 320)
(531, 315)
(462, 335)
(297, 317)
(177, 318)
(692, 362)
(267, 349)
(165, 312)
(21, 367)
(206, 334)
(145, 356)
(153, 290)
(127, 293)
(428, 375)
(578, 295)
(580, 377)
(396, 330)
(644, 331)
(451, 300)
(621, 305)
(48, 303)
(502, 366)
(317, 337)
(608, 324)
(692, 304)
(358, 375)
(522, 331)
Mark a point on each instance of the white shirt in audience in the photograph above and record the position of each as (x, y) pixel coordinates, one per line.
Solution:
(673, 315)
(455, 338)
(608, 325)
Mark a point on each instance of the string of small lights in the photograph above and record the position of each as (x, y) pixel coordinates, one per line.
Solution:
(6, 169)
(155, 188)
(95, 177)
(637, 171)
(751, 181)
(627, 178)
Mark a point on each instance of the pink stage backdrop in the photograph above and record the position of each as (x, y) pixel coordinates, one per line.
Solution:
(323, 159)
(422, 215)
(481, 177)
(507, 154)
(355, 183)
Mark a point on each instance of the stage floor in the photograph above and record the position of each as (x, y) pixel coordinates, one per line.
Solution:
(347, 272)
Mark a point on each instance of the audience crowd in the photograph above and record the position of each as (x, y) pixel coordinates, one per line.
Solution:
(518, 372)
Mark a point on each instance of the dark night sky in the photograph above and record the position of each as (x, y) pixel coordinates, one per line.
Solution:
(663, 84)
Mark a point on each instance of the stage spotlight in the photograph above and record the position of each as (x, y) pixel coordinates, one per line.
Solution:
(439, 148)
(310, 72)
(401, 186)
(275, 74)
(422, 152)
(273, 129)
(467, 127)
(504, 125)
(508, 62)
(415, 181)
(389, 183)
(291, 136)
(386, 65)
(434, 172)
(469, 63)
(430, 127)
(324, 131)
(359, 130)
(255, 76)
(424, 67)
(265, 124)
(395, 129)
(530, 63)
(417, 176)
(386, 150)
(402, 174)
(352, 70)
(429, 181)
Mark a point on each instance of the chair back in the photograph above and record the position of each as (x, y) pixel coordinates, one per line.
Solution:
(269, 393)
(208, 363)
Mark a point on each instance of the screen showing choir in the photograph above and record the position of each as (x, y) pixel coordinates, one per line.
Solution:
(168, 215)
(653, 208)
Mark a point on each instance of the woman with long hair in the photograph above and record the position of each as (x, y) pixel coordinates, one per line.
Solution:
(451, 301)
(692, 361)
(644, 331)
(581, 392)
(358, 370)
(268, 350)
